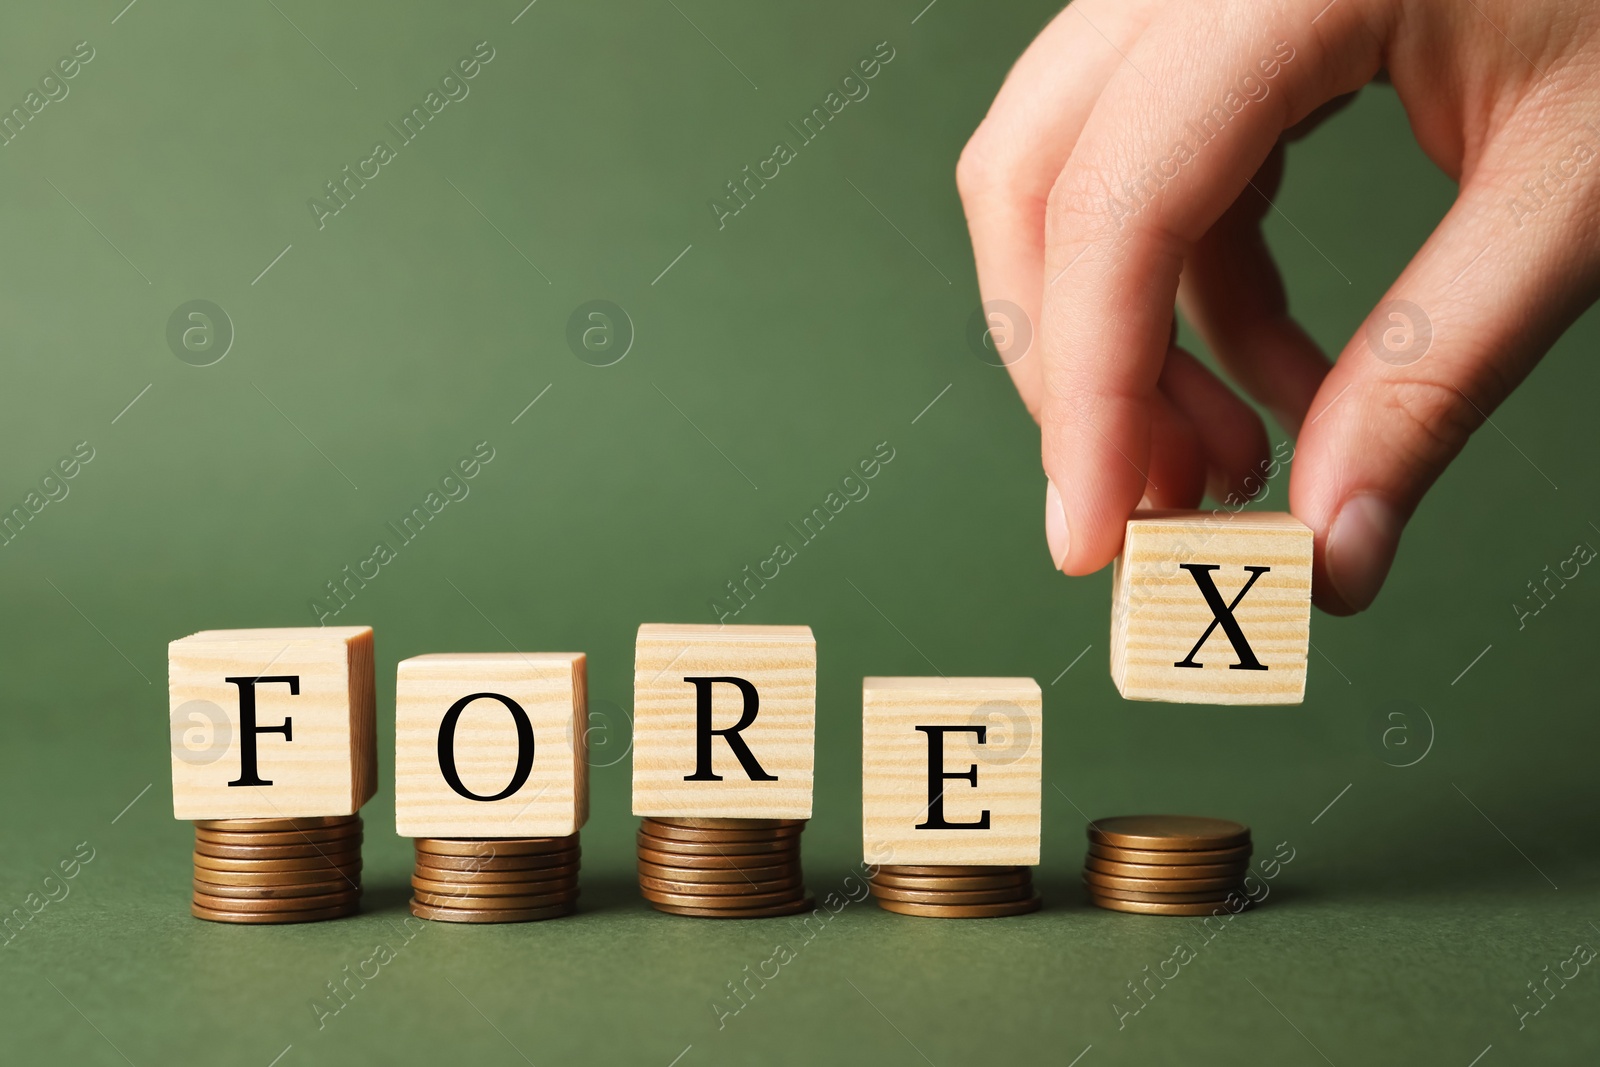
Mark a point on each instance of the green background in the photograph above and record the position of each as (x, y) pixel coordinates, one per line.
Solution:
(379, 349)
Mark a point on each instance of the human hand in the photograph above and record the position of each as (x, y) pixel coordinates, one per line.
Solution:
(1128, 160)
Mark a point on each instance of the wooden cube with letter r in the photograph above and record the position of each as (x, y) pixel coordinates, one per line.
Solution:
(1212, 608)
(272, 723)
(950, 771)
(491, 744)
(723, 721)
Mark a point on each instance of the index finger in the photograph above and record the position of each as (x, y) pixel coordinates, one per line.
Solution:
(1173, 141)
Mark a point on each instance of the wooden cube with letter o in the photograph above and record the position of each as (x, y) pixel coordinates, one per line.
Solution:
(950, 771)
(491, 745)
(272, 723)
(724, 720)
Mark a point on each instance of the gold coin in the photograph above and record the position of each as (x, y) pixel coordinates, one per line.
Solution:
(1165, 833)
(476, 915)
(1145, 907)
(272, 879)
(490, 847)
(961, 911)
(1215, 896)
(521, 875)
(279, 837)
(1176, 857)
(302, 915)
(1166, 870)
(327, 900)
(537, 900)
(702, 863)
(1158, 885)
(940, 871)
(277, 852)
(720, 889)
(699, 900)
(492, 889)
(342, 861)
(694, 835)
(500, 863)
(956, 884)
(273, 892)
(768, 912)
(725, 824)
(971, 896)
(717, 848)
(266, 825)
(740, 875)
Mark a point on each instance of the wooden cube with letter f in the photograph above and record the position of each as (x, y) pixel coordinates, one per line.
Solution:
(724, 719)
(951, 771)
(272, 723)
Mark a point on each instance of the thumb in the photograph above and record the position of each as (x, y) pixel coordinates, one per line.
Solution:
(1494, 286)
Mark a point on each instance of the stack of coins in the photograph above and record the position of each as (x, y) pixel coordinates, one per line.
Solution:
(945, 892)
(723, 868)
(1167, 864)
(277, 870)
(495, 880)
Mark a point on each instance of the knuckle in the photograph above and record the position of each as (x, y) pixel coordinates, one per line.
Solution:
(1492, 382)
(1084, 203)
(1436, 419)
(977, 173)
(1074, 197)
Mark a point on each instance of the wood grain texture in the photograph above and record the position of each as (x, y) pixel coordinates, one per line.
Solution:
(1159, 609)
(327, 767)
(781, 663)
(550, 688)
(895, 769)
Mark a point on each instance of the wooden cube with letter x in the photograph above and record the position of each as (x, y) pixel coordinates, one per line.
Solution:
(723, 721)
(273, 723)
(950, 771)
(491, 745)
(1212, 608)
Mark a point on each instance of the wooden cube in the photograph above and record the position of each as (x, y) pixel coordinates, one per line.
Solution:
(491, 745)
(1212, 608)
(723, 721)
(950, 770)
(272, 723)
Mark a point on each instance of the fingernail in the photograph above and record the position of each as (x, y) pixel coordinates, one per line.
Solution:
(1055, 525)
(1361, 547)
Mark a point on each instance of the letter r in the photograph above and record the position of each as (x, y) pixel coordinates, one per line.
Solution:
(703, 771)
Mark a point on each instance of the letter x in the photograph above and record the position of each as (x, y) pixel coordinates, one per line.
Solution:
(1223, 614)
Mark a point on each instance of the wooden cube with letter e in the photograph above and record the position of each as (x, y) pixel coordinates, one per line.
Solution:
(951, 771)
(723, 721)
(1212, 608)
(272, 723)
(491, 745)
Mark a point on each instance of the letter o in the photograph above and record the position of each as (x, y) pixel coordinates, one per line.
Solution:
(447, 746)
